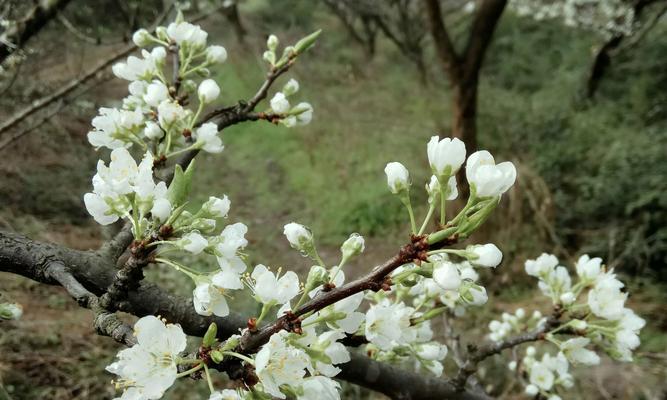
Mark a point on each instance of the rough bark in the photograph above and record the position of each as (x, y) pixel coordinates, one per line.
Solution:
(95, 271)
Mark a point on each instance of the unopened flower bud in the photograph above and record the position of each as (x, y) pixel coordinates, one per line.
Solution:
(579, 324)
(216, 356)
(216, 55)
(161, 33)
(298, 236)
(532, 390)
(567, 298)
(291, 87)
(141, 38)
(487, 255)
(208, 91)
(352, 246)
(209, 337)
(272, 42)
(316, 276)
(398, 177)
(153, 130)
(217, 208)
(270, 57)
(520, 313)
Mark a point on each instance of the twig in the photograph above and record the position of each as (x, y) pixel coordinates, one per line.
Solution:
(105, 323)
(73, 84)
(377, 279)
(478, 354)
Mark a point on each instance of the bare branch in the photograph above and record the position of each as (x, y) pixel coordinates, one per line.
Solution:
(28, 26)
(476, 355)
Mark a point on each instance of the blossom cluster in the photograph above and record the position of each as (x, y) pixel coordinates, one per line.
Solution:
(305, 351)
(608, 17)
(591, 315)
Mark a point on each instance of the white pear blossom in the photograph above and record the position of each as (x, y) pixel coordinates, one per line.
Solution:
(153, 131)
(542, 266)
(231, 240)
(588, 268)
(218, 208)
(170, 112)
(156, 93)
(187, 34)
(277, 363)
(606, 299)
(226, 394)
(113, 127)
(446, 275)
(208, 91)
(216, 54)
(149, 368)
(298, 236)
(193, 242)
(388, 325)
(576, 352)
(541, 376)
(136, 68)
(319, 387)
(398, 177)
(489, 179)
(209, 295)
(269, 289)
(488, 255)
(445, 155)
(279, 103)
(207, 138)
(348, 306)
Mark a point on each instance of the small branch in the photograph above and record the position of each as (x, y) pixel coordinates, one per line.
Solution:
(105, 323)
(264, 89)
(28, 26)
(377, 279)
(476, 355)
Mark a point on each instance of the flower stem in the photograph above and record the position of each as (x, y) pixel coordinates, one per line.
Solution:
(191, 370)
(208, 379)
(406, 201)
(443, 208)
(178, 267)
(429, 215)
(265, 310)
(240, 356)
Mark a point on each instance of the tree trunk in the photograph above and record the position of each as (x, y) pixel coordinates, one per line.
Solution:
(464, 126)
(465, 111)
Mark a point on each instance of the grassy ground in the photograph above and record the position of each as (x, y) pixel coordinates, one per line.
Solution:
(328, 175)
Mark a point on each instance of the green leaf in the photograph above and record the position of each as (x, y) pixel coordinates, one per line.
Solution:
(306, 42)
(180, 186)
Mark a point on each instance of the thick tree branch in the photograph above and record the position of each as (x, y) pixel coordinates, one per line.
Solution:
(444, 47)
(95, 271)
(483, 25)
